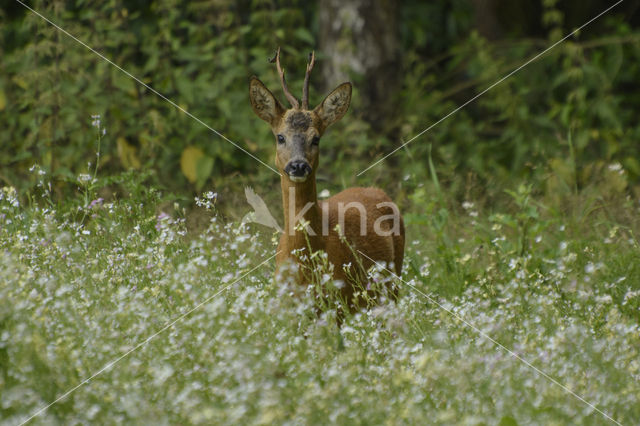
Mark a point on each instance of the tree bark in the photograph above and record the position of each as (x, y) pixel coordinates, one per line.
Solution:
(486, 21)
(359, 41)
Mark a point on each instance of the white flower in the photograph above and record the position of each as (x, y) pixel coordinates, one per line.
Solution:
(629, 295)
(614, 167)
(467, 205)
(95, 121)
(84, 178)
(590, 268)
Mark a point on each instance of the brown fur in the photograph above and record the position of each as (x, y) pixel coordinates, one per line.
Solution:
(300, 126)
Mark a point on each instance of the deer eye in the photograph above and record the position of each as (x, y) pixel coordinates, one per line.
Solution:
(315, 140)
(280, 139)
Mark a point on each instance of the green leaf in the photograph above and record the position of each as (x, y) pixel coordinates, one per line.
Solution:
(304, 35)
(204, 168)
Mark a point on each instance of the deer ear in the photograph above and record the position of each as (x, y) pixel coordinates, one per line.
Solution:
(264, 104)
(335, 105)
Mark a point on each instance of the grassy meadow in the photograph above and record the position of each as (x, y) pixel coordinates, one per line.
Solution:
(177, 326)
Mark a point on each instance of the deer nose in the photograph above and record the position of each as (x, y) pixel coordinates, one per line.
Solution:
(298, 169)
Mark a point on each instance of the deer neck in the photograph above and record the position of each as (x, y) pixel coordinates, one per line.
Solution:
(300, 201)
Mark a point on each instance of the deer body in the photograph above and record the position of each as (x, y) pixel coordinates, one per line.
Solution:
(365, 218)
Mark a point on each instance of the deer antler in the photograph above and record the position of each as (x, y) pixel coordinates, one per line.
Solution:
(292, 99)
(305, 87)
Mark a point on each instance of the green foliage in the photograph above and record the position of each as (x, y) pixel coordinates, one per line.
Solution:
(579, 88)
(200, 56)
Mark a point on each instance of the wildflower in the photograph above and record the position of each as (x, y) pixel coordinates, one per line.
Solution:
(325, 279)
(631, 295)
(424, 269)
(615, 167)
(96, 202)
(95, 121)
(10, 194)
(208, 201)
(162, 217)
(84, 178)
(589, 268)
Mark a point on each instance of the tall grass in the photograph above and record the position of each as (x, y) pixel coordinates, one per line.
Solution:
(84, 282)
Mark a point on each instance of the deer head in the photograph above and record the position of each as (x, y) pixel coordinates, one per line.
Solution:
(298, 130)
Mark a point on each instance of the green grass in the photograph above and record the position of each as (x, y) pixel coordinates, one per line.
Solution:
(80, 286)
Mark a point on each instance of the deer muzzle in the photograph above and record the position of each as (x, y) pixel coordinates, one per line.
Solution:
(298, 170)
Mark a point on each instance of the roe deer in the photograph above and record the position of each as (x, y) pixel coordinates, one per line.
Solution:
(366, 217)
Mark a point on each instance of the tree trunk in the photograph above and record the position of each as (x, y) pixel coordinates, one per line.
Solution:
(359, 40)
(486, 20)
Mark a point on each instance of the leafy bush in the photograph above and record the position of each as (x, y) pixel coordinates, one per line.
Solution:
(572, 108)
(199, 56)
(569, 107)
